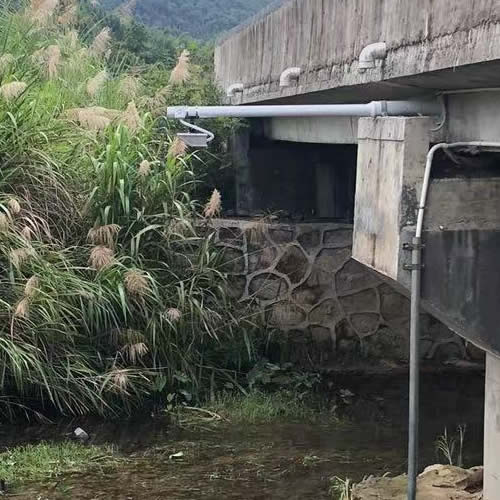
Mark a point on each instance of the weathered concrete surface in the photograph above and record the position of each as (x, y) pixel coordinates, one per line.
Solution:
(320, 130)
(437, 482)
(492, 429)
(391, 158)
(473, 117)
(330, 309)
(443, 40)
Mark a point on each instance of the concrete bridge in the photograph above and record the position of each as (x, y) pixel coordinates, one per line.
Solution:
(370, 171)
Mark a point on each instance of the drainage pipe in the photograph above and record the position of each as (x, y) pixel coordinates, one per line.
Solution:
(415, 107)
(416, 276)
(371, 53)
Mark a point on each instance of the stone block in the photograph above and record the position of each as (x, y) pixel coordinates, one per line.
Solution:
(261, 259)
(330, 260)
(293, 263)
(338, 238)
(234, 261)
(365, 301)
(365, 323)
(268, 286)
(327, 313)
(286, 314)
(310, 239)
(354, 276)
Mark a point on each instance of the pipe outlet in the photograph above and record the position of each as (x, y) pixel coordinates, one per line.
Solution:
(235, 88)
(370, 54)
(289, 75)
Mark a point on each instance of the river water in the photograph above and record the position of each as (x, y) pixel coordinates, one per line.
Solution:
(279, 460)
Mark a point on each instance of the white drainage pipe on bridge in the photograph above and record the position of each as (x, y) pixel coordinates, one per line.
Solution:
(289, 75)
(416, 107)
(416, 277)
(235, 88)
(370, 54)
(201, 137)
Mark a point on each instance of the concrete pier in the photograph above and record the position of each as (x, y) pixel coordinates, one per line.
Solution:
(492, 429)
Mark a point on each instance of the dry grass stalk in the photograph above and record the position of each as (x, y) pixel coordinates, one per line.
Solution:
(136, 283)
(129, 87)
(6, 61)
(53, 58)
(213, 207)
(22, 308)
(27, 233)
(101, 42)
(120, 379)
(92, 121)
(19, 256)
(49, 58)
(104, 235)
(42, 10)
(133, 352)
(4, 223)
(93, 117)
(31, 287)
(173, 314)
(144, 168)
(100, 257)
(14, 206)
(72, 38)
(69, 15)
(177, 148)
(160, 98)
(95, 84)
(12, 90)
(131, 118)
(180, 74)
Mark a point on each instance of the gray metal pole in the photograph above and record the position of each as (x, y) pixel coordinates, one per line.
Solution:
(416, 267)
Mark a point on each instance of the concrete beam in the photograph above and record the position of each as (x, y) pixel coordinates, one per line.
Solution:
(474, 116)
(492, 429)
(320, 130)
(325, 39)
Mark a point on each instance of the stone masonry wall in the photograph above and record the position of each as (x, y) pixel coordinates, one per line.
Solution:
(328, 307)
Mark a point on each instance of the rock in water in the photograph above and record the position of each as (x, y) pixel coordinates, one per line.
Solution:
(80, 435)
(437, 482)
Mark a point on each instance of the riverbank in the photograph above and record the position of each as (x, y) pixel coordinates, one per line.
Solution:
(275, 456)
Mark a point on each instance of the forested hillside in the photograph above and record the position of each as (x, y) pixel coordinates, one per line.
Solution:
(202, 19)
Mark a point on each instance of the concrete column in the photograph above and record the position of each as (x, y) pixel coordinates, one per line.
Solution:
(391, 161)
(492, 429)
(240, 146)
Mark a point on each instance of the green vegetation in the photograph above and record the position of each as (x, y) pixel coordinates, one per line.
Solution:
(202, 19)
(260, 407)
(341, 489)
(46, 461)
(111, 289)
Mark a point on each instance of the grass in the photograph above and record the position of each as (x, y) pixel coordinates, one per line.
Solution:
(46, 461)
(261, 407)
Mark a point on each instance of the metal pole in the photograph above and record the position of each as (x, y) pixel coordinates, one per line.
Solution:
(416, 263)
